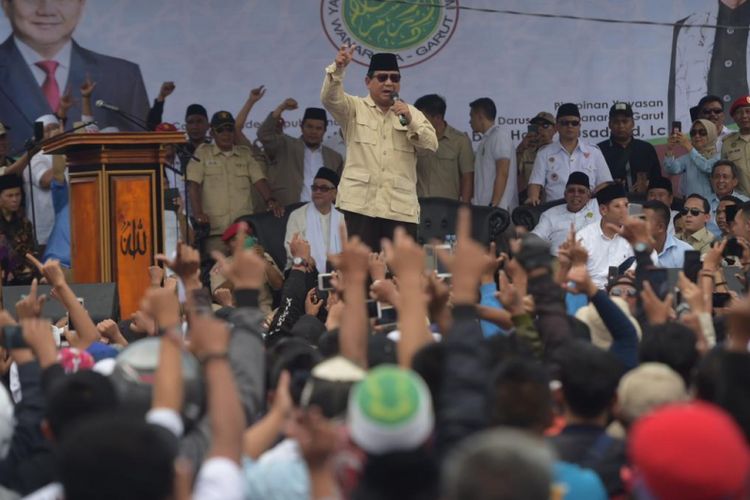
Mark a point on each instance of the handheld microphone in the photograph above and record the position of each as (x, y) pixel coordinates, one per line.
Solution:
(101, 104)
(401, 117)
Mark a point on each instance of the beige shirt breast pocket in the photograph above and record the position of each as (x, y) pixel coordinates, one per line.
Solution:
(365, 132)
(353, 187)
(404, 197)
(401, 141)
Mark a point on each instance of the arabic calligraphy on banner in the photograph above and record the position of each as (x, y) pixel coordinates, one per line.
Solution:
(133, 238)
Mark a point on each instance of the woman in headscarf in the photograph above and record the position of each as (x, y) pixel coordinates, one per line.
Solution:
(695, 166)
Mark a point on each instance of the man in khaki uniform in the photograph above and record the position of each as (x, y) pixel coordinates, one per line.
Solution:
(736, 146)
(378, 189)
(541, 131)
(449, 172)
(219, 184)
(295, 160)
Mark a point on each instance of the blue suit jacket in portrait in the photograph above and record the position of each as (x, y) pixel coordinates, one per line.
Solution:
(118, 82)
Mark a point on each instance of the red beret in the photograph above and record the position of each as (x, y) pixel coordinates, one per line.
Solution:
(691, 451)
(231, 231)
(165, 127)
(740, 102)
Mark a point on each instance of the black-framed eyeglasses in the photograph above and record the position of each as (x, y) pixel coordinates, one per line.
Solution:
(620, 292)
(712, 111)
(321, 189)
(569, 123)
(698, 131)
(383, 77)
(224, 128)
(695, 212)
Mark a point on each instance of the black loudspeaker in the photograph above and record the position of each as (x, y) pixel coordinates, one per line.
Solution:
(99, 299)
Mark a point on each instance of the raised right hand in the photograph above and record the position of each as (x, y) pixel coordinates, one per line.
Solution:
(345, 55)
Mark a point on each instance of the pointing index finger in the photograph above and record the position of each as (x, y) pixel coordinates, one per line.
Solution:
(463, 224)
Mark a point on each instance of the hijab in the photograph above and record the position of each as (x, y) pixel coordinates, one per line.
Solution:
(711, 136)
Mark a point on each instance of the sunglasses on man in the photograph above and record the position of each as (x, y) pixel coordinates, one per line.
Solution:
(322, 189)
(384, 77)
(569, 123)
(224, 128)
(695, 212)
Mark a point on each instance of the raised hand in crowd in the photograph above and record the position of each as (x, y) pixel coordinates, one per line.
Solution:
(110, 332)
(352, 263)
(256, 94)
(30, 306)
(86, 332)
(186, 265)
(468, 261)
(406, 258)
(165, 91)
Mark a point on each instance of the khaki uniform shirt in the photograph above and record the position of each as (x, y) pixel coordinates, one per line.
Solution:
(525, 162)
(225, 178)
(380, 173)
(439, 173)
(737, 149)
(700, 240)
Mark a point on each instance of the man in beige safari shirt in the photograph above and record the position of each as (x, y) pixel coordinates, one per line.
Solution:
(378, 189)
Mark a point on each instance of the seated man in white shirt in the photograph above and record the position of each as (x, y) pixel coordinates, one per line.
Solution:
(317, 222)
(605, 246)
(579, 209)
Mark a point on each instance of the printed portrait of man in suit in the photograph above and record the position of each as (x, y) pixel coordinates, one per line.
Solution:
(40, 60)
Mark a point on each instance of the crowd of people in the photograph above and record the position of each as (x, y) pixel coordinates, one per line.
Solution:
(603, 355)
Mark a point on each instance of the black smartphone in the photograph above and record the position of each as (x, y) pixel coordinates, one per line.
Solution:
(692, 265)
(721, 299)
(324, 281)
(38, 131)
(733, 248)
(70, 320)
(320, 295)
(446, 278)
(730, 212)
(387, 314)
(169, 196)
(676, 127)
(612, 274)
(12, 337)
(372, 308)
(658, 278)
(532, 129)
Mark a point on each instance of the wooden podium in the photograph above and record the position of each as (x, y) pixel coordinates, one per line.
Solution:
(116, 207)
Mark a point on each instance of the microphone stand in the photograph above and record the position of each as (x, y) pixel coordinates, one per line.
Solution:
(179, 147)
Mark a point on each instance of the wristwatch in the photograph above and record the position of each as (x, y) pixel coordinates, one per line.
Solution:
(298, 261)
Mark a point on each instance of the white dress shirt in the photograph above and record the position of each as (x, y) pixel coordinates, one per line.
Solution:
(603, 252)
(554, 224)
(313, 162)
(63, 63)
(43, 217)
(553, 165)
(495, 145)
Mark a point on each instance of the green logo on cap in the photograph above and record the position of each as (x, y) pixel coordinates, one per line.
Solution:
(414, 30)
(389, 396)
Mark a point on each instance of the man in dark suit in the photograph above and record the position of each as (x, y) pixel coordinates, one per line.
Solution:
(40, 60)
